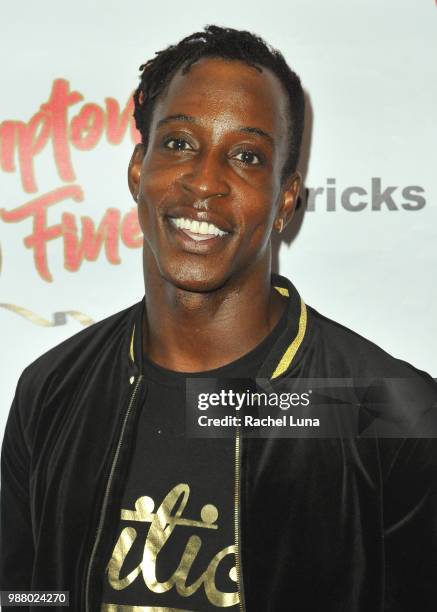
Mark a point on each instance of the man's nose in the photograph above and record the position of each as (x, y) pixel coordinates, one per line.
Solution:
(204, 178)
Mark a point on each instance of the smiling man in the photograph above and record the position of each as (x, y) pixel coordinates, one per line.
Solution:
(105, 495)
(211, 181)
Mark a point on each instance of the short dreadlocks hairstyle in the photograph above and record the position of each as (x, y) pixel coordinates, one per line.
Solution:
(229, 44)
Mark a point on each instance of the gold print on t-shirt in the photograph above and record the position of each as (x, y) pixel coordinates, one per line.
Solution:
(162, 523)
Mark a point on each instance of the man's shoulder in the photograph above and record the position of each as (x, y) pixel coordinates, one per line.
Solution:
(392, 390)
(359, 355)
(79, 350)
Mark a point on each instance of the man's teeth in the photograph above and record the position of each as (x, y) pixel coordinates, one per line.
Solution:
(197, 227)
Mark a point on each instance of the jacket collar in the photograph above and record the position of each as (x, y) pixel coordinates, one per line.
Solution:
(282, 358)
(289, 346)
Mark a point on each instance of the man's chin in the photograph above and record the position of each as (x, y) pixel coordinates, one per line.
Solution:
(194, 281)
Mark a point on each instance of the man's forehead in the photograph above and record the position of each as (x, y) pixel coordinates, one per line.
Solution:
(227, 76)
(222, 86)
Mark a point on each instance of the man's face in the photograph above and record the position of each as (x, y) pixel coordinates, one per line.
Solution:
(209, 185)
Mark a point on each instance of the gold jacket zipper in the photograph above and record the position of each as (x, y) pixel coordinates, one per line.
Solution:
(237, 539)
(107, 491)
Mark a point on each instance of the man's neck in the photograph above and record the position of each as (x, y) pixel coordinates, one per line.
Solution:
(193, 332)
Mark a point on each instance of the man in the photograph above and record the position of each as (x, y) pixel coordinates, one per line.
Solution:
(103, 493)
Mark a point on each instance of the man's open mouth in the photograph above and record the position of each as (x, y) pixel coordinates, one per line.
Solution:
(197, 230)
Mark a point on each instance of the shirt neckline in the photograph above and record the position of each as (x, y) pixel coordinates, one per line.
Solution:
(153, 371)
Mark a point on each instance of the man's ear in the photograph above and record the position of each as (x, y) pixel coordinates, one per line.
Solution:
(134, 170)
(290, 195)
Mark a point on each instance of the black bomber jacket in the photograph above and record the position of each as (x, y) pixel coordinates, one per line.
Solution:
(332, 524)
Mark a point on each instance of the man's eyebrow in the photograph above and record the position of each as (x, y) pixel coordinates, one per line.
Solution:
(177, 117)
(258, 132)
(242, 128)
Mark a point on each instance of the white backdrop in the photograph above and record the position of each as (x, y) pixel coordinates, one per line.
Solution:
(365, 257)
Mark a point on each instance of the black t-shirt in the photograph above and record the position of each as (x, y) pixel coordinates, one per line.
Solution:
(175, 541)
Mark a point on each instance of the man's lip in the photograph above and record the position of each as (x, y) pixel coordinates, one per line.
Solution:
(211, 245)
(200, 215)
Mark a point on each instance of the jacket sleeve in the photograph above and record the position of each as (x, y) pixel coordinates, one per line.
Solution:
(410, 527)
(16, 539)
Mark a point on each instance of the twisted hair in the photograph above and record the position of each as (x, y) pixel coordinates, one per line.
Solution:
(229, 44)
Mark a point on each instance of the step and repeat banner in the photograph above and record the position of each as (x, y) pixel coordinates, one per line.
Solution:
(362, 247)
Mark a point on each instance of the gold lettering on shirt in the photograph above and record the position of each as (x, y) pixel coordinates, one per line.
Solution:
(162, 523)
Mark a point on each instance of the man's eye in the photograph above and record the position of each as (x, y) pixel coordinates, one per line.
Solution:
(178, 144)
(249, 158)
